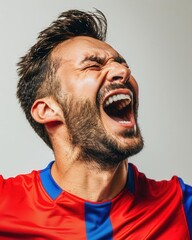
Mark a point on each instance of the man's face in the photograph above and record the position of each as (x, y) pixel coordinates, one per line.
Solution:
(99, 99)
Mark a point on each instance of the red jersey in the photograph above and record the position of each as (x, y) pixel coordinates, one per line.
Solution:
(33, 206)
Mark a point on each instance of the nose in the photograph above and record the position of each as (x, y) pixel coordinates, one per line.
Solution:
(118, 72)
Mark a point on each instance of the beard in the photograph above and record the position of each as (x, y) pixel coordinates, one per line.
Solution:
(86, 131)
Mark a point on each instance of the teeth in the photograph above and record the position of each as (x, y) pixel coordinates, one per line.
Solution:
(118, 97)
(115, 98)
(125, 122)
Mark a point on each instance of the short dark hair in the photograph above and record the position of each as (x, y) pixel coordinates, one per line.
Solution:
(36, 67)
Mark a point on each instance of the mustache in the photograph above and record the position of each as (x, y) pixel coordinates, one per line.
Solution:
(103, 91)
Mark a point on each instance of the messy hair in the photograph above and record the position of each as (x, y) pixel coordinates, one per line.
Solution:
(36, 70)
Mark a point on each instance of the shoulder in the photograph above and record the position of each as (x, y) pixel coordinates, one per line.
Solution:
(146, 186)
(17, 184)
(171, 194)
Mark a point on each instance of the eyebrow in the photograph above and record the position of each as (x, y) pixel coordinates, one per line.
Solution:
(99, 60)
(120, 59)
(93, 58)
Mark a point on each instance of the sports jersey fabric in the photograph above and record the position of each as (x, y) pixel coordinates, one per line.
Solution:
(33, 206)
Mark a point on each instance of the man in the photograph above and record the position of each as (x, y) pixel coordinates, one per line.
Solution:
(80, 97)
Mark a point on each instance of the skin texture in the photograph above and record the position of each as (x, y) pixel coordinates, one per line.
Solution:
(90, 71)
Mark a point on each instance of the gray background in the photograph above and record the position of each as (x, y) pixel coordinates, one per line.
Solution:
(154, 36)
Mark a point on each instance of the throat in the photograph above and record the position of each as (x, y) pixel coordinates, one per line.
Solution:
(92, 184)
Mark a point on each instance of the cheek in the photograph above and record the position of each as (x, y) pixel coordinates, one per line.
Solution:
(80, 84)
(86, 86)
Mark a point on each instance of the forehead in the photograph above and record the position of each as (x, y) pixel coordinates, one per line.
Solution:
(80, 47)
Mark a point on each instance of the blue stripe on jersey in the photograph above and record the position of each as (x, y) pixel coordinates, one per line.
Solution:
(48, 182)
(130, 185)
(98, 224)
(187, 203)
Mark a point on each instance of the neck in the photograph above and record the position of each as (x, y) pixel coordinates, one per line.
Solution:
(88, 181)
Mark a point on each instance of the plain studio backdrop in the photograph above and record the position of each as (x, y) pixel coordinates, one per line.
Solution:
(155, 37)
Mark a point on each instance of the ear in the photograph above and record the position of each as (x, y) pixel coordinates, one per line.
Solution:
(46, 111)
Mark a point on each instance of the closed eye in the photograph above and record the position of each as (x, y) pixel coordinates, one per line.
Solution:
(93, 67)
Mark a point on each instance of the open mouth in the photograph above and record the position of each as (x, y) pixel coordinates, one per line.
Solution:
(119, 107)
